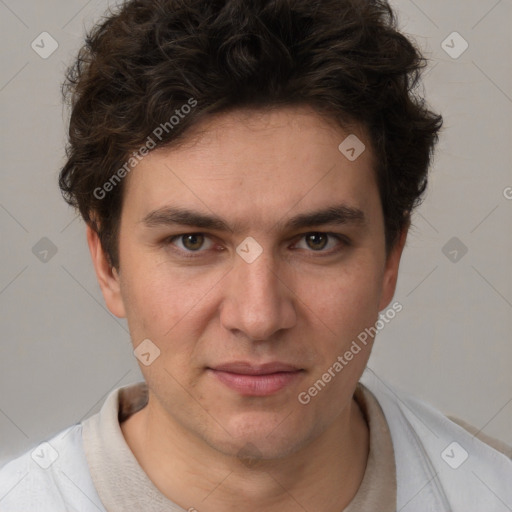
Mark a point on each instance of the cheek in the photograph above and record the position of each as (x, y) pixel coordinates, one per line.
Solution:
(347, 302)
(164, 303)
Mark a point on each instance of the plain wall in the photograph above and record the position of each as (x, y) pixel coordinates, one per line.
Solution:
(62, 352)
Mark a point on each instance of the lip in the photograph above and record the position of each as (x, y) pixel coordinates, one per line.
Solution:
(256, 380)
(246, 368)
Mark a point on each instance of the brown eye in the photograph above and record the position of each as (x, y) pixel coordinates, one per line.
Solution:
(325, 244)
(190, 242)
(316, 241)
(190, 245)
(193, 242)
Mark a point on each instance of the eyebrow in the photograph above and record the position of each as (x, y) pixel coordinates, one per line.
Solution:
(171, 215)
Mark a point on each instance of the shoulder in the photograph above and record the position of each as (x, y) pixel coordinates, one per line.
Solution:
(494, 443)
(452, 462)
(425, 419)
(52, 477)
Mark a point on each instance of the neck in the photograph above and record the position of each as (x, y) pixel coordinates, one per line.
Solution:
(323, 476)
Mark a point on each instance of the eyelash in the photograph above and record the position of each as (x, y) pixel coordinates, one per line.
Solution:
(345, 242)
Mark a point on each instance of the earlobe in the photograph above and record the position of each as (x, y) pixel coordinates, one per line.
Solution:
(391, 271)
(108, 277)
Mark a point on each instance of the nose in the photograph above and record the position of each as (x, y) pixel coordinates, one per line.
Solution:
(258, 301)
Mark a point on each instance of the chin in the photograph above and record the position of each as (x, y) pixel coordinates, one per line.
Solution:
(260, 438)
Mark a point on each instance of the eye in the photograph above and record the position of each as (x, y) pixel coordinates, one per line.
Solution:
(190, 242)
(318, 241)
(190, 245)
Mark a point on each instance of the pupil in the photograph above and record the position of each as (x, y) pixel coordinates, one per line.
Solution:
(314, 237)
(196, 241)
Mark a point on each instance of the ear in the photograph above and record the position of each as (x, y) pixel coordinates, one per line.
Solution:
(108, 277)
(391, 270)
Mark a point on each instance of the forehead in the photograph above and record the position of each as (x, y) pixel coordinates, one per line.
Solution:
(256, 165)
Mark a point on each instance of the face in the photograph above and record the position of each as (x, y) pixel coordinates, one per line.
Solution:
(251, 257)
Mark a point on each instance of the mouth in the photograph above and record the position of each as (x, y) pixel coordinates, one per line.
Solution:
(256, 380)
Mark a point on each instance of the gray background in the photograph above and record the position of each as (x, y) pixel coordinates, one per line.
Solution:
(62, 352)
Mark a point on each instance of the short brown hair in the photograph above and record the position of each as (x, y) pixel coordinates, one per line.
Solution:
(344, 58)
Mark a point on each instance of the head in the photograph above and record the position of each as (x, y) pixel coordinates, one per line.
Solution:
(235, 111)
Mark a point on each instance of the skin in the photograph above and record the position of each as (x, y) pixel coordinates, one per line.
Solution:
(292, 304)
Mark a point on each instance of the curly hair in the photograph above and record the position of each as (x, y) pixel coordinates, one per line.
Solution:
(344, 58)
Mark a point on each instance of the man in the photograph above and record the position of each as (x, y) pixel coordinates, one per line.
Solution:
(247, 172)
